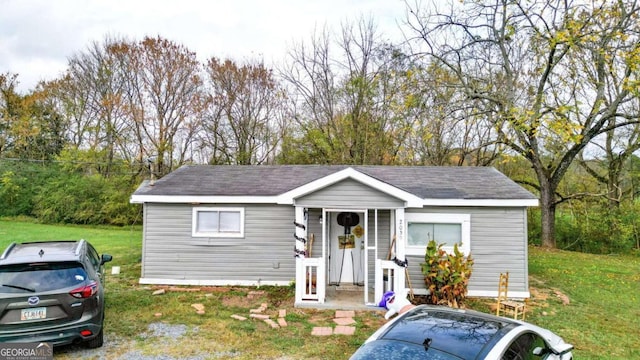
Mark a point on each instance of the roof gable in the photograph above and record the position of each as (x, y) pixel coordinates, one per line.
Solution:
(349, 173)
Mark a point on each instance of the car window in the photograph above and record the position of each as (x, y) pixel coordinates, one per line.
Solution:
(522, 347)
(25, 278)
(93, 257)
(390, 350)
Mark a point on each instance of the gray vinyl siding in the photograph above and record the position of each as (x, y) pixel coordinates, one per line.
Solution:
(349, 194)
(498, 244)
(265, 253)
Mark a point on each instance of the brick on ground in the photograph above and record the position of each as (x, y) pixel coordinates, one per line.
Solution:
(282, 322)
(272, 323)
(198, 307)
(238, 317)
(344, 321)
(345, 313)
(344, 330)
(282, 313)
(259, 316)
(262, 308)
(321, 331)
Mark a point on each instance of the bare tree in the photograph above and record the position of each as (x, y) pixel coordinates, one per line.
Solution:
(447, 130)
(342, 93)
(91, 96)
(244, 121)
(165, 99)
(610, 154)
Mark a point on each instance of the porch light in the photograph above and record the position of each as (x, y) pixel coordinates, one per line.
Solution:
(320, 219)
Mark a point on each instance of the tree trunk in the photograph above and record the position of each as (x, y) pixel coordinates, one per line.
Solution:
(547, 213)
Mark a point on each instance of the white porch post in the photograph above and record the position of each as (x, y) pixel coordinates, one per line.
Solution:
(400, 249)
(299, 252)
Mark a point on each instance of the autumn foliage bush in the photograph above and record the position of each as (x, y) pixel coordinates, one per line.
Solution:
(446, 275)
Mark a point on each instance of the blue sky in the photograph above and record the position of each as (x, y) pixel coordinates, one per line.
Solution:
(37, 36)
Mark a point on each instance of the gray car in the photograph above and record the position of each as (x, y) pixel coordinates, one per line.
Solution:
(439, 332)
(52, 292)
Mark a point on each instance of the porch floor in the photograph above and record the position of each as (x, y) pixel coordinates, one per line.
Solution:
(340, 299)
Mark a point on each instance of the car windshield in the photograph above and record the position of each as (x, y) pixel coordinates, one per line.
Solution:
(40, 277)
(388, 349)
(458, 333)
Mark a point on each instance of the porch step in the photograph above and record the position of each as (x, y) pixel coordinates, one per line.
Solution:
(349, 287)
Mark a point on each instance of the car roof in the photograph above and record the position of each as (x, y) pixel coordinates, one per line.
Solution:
(463, 333)
(49, 251)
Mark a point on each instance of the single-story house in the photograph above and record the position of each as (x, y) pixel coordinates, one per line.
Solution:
(322, 226)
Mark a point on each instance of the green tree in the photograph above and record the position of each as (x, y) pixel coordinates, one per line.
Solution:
(549, 75)
(30, 125)
(10, 105)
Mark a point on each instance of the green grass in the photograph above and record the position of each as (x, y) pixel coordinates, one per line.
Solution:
(602, 318)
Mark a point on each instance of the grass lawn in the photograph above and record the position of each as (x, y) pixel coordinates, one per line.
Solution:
(590, 300)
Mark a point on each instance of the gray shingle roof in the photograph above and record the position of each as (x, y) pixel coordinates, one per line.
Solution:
(427, 182)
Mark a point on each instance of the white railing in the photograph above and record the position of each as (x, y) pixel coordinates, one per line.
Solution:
(312, 279)
(389, 277)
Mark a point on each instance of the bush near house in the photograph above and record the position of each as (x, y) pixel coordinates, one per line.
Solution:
(446, 275)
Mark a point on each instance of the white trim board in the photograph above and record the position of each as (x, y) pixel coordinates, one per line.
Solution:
(494, 294)
(258, 283)
(483, 293)
(198, 200)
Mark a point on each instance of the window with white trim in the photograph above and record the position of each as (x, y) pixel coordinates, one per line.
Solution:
(218, 222)
(447, 229)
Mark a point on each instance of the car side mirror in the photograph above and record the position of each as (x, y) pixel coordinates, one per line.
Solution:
(562, 349)
(539, 351)
(106, 258)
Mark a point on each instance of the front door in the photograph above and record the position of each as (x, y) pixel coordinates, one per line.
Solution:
(346, 248)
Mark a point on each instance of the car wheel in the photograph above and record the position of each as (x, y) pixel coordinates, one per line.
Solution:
(97, 341)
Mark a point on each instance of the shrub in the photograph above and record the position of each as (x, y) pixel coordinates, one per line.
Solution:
(19, 181)
(446, 275)
(85, 199)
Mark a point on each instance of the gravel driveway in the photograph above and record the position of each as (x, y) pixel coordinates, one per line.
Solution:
(125, 349)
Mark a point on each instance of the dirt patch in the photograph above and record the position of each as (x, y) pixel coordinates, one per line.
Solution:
(216, 289)
(370, 321)
(538, 295)
(188, 289)
(543, 294)
(563, 297)
(238, 301)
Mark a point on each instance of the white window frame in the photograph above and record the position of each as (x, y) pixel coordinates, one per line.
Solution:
(437, 218)
(194, 223)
